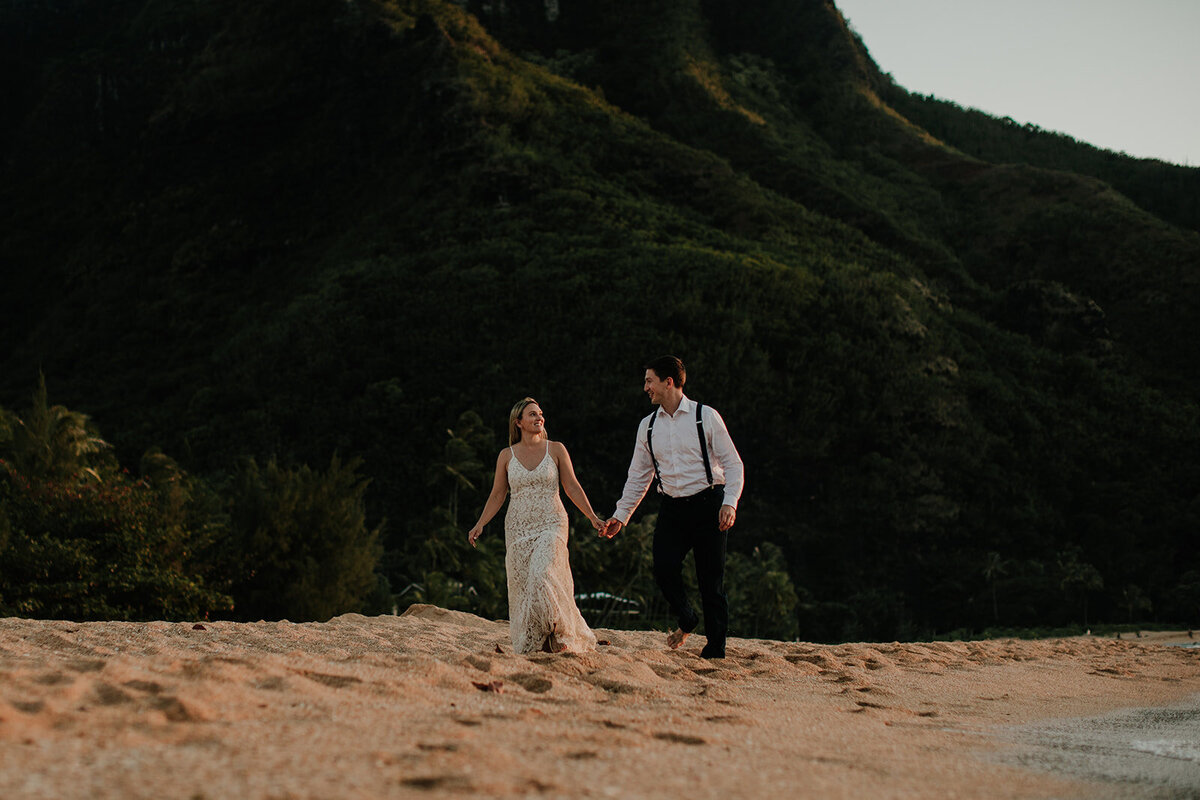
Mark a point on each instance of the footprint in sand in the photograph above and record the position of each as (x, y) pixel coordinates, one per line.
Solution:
(667, 670)
(1114, 672)
(479, 662)
(150, 687)
(173, 709)
(336, 681)
(430, 782)
(107, 695)
(810, 658)
(531, 683)
(53, 679)
(869, 704)
(679, 738)
(469, 722)
(29, 707)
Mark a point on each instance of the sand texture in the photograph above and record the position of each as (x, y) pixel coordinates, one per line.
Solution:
(434, 703)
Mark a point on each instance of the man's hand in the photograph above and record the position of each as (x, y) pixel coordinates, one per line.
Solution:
(725, 517)
(611, 528)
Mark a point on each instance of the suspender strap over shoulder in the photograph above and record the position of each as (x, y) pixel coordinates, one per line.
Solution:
(703, 444)
(650, 445)
(703, 447)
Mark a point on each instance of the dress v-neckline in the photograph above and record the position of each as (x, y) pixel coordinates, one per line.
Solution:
(535, 466)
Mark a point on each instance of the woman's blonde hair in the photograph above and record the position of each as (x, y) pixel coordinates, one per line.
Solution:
(514, 433)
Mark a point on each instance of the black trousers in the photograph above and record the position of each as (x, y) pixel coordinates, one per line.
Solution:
(691, 523)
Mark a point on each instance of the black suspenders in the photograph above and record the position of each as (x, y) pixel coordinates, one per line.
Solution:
(703, 444)
(703, 447)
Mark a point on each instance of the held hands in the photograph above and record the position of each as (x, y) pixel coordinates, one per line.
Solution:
(725, 519)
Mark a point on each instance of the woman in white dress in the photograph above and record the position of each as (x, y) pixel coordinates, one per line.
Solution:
(541, 592)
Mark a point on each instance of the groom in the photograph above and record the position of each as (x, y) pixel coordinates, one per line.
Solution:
(683, 449)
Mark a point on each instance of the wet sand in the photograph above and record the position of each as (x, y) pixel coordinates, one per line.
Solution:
(1137, 754)
(435, 704)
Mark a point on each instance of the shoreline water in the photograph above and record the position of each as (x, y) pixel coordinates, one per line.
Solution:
(1151, 752)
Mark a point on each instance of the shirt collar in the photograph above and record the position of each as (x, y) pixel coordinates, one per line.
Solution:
(686, 406)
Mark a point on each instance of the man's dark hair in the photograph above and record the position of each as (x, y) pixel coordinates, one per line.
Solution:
(669, 367)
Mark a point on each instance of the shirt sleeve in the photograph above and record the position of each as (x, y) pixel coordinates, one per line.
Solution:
(727, 456)
(641, 474)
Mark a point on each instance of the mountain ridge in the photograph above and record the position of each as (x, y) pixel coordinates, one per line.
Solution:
(290, 229)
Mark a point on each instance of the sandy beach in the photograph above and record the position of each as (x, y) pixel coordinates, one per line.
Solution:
(434, 703)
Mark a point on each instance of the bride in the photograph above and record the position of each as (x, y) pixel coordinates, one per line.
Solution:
(541, 591)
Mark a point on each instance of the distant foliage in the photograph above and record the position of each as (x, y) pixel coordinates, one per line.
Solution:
(80, 538)
(52, 442)
(615, 578)
(432, 562)
(1171, 191)
(91, 551)
(301, 541)
(763, 601)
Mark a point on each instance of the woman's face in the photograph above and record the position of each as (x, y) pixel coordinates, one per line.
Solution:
(532, 421)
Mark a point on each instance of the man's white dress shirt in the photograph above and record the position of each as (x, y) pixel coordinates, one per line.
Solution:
(680, 463)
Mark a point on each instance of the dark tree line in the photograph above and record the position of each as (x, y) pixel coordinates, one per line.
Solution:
(962, 376)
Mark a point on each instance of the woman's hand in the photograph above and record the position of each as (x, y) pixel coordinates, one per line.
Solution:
(474, 533)
(596, 522)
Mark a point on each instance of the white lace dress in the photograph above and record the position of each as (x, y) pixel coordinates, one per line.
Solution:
(541, 591)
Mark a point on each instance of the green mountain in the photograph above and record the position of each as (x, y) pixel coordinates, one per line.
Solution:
(955, 353)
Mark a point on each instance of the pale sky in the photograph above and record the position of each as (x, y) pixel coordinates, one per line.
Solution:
(1118, 74)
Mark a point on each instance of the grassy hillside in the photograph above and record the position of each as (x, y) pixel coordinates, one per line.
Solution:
(289, 229)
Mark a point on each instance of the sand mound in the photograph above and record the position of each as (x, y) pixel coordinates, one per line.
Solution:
(435, 702)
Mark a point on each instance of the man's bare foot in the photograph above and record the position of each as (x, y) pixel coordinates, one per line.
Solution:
(676, 637)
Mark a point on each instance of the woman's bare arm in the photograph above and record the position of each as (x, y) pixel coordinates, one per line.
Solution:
(495, 499)
(570, 484)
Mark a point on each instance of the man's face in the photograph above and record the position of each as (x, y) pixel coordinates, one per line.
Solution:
(655, 388)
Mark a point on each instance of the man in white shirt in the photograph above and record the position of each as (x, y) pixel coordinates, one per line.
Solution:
(700, 475)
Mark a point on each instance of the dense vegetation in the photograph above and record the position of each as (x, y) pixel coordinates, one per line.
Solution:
(956, 357)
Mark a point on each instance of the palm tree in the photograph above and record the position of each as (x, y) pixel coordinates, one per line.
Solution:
(1133, 600)
(459, 462)
(53, 442)
(1079, 576)
(993, 568)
